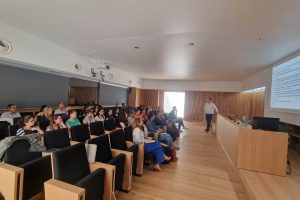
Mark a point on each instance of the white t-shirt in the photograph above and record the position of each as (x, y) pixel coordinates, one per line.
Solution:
(210, 108)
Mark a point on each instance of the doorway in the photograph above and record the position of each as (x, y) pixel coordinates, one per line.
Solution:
(174, 99)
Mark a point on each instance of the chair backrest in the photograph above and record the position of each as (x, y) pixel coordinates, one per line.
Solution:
(117, 140)
(80, 133)
(97, 128)
(71, 164)
(103, 148)
(128, 130)
(4, 129)
(13, 129)
(18, 153)
(16, 120)
(57, 139)
(109, 124)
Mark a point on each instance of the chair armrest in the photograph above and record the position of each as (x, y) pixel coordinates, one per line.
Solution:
(55, 189)
(127, 178)
(11, 181)
(107, 132)
(129, 144)
(73, 142)
(109, 180)
(93, 136)
(45, 153)
(140, 160)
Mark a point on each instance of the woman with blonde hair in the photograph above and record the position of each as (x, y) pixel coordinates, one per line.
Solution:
(43, 118)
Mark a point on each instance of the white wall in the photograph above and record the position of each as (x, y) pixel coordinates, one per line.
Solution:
(264, 78)
(28, 49)
(181, 85)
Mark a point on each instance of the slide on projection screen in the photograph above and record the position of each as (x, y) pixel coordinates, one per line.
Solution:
(285, 92)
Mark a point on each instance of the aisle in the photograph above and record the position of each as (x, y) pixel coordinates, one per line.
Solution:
(202, 172)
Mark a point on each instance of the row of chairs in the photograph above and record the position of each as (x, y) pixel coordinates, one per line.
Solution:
(39, 171)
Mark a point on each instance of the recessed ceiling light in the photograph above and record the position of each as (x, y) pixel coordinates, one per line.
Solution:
(191, 44)
(261, 39)
(136, 47)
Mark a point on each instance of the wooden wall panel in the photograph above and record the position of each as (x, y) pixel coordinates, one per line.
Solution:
(237, 104)
(83, 95)
(151, 97)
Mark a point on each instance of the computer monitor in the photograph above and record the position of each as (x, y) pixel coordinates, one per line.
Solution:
(265, 123)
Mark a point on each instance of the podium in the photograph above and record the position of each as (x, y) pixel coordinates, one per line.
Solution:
(254, 150)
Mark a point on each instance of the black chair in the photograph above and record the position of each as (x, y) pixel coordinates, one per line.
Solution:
(13, 129)
(104, 155)
(109, 124)
(37, 169)
(71, 165)
(80, 133)
(4, 132)
(57, 139)
(117, 141)
(16, 120)
(97, 128)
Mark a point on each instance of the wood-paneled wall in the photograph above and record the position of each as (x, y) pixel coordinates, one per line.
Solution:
(82, 95)
(237, 104)
(233, 103)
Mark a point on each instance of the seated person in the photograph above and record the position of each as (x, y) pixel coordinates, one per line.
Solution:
(11, 113)
(89, 118)
(43, 118)
(137, 114)
(56, 123)
(60, 110)
(145, 115)
(27, 126)
(72, 121)
(173, 117)
(159, 119)
(117, 113)
(110, 114)
(100, 116)
(150, 146)
(130, 118)
(172, 130)
(163, 137)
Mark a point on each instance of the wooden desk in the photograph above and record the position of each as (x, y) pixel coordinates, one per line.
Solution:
(255, 150)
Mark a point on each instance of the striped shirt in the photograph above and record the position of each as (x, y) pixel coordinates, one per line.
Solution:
(21, 132)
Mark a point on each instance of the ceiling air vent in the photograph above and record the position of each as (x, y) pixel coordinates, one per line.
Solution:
(5, 46)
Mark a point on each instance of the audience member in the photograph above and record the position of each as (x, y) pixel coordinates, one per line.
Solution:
(56, 123)
(27, 126)
(173, 116)
(89, 118)
(130, 118)
(11, 113)
(43, 118)
(150, 146)
(60, 110)
(100, 116)
(72, 121)
(162, 136)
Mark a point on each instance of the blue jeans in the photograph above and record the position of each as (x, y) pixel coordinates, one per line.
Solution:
(166, 139)
(157, 150)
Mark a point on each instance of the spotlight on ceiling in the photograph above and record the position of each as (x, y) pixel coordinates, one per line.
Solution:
(191, 44)
(136, 47)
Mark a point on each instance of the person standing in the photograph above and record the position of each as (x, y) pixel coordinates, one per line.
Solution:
(209, 109)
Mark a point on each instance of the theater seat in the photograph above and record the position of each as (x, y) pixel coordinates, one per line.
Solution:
(70, 165)
(56, 139)
(36, 168)
(97, 128)
(122, 160)
(109, 124)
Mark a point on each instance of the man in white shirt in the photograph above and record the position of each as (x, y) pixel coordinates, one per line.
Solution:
(11, 113)
(209, 109)
(61, 109)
